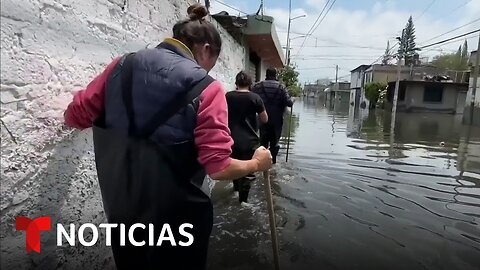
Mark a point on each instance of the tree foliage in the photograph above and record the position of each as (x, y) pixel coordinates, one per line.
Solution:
(289, 77)
(372, 92)
(386, 56)
(453, 61)
(408, 48)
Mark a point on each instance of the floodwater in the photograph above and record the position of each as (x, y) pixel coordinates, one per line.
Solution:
(355, 196)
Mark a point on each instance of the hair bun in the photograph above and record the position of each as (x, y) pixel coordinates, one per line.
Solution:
(197, 12)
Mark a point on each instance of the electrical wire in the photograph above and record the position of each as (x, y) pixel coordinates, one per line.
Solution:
(313, 26)
(326, 13)
(449, 39)
(338, 46)
(229, 6)
(438, 47)
(299, 50)
(332, 59)
(450, 12)
(448, 32)
(388, 53)
(337, 56)
(425, 10)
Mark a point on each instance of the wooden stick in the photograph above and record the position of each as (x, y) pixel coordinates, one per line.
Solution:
(289, 132)
(271, 215)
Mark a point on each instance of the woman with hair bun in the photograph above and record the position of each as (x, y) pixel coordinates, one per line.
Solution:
(160, 124)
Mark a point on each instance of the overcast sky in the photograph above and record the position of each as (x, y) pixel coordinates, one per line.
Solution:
(356, 32)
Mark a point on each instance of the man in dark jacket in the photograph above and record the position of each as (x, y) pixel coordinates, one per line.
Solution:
(275, 99)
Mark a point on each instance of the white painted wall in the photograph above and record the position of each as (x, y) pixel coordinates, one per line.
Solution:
(50, 48)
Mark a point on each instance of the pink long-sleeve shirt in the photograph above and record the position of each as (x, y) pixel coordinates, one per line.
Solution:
(212, 135)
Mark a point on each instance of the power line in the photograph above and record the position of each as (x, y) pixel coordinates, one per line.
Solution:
(318, 18)
(337, 56)
(314, 68)
(326, 13)
(448, 32)
(448, 39)
(339, 46)
(425, 10)
(333, 58)
(438, 47)
(457, 8)
(313, 26)
(232, 7)
(388, 53)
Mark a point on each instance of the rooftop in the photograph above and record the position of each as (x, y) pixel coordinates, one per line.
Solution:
(430, 82)
(361, 67)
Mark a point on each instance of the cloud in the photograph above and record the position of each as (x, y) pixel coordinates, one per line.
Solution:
(318, 4)
(349, 38)
(232, 9)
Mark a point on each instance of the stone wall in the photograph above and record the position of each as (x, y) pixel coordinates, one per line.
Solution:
(50, 48)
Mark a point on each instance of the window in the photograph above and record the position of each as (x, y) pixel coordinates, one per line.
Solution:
(433, 92)
(401, 93)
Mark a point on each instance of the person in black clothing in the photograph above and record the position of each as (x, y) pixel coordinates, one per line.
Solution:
(243, 107)
(276, 99)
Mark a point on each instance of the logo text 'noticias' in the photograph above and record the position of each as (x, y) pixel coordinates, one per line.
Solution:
(35, 226)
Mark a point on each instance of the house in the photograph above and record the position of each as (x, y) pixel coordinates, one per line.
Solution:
(337, 93)
(366, 74)
(387, 73)
(472, 115)
(261, 44)
(357, 84)
(314, 90)
(428, 96)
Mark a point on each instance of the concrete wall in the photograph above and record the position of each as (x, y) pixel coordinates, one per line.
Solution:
(468, 116)
(414, 98)
(385, 76)
(470, 92)
(356, 79)
(263, 69)
(50, 48)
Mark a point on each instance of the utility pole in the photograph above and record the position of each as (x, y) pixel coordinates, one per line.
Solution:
(397, 86)
(395, 95)
(476, 71)
(290, 19)
(287, 53)
(336, 76)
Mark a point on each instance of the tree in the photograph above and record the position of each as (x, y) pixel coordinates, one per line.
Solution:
(386, 55)
(453, 61)
(408, 48)
(289, 77)
(372, 92)
(464, 54)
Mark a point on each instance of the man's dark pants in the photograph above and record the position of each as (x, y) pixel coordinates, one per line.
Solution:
(270, 134)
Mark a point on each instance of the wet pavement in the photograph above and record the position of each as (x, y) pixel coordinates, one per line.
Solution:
(355, 196)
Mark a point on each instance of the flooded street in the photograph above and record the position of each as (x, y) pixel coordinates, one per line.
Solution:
(353, 196)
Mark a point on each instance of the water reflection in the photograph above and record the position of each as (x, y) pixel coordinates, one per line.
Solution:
(376, 200)
(355, 196)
